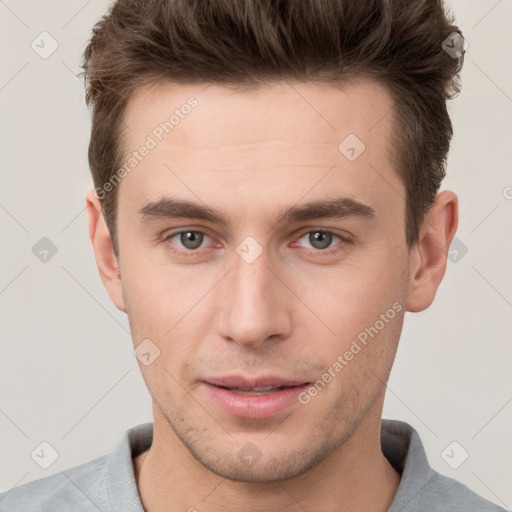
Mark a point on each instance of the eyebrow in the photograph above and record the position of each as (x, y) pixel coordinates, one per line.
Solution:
(336, 208)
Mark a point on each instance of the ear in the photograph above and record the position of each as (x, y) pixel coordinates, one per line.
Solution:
(106, 259)
(428, 257)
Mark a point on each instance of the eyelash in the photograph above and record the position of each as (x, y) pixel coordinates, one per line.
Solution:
(319, 252)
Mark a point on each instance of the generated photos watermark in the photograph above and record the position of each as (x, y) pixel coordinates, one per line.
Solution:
(152, 140)
(355, 348)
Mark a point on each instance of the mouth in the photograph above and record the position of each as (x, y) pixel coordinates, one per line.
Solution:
(257, 390)
(254, 398)
(247, 383)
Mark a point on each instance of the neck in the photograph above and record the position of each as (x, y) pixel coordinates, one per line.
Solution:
(356, 476)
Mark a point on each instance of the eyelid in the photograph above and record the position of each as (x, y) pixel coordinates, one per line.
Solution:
(344, 241)
(168, 235)
(345, 235)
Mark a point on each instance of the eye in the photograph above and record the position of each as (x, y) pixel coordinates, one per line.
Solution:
(320, 240)
(190, 239)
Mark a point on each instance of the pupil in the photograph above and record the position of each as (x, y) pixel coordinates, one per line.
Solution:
(322, 237)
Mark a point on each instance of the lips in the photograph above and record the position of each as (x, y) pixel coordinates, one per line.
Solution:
(253, 398)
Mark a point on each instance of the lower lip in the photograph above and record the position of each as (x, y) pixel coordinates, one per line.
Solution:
(254, 406)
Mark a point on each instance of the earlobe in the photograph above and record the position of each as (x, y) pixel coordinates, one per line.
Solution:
(106, 259)
(428, 258)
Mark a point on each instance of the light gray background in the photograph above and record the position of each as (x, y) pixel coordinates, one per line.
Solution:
(67, 371)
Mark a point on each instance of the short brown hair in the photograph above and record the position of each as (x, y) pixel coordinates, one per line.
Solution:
(246, 43)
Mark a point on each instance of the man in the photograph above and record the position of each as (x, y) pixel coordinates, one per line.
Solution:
(265, 211)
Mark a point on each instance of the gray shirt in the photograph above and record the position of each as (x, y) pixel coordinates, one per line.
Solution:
(107, 484)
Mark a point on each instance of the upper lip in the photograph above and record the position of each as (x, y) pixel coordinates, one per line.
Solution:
(247, 383)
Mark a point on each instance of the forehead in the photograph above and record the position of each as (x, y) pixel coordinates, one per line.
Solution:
(277, 142)
(239, 116)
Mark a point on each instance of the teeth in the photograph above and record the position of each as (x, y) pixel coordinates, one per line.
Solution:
(257, 391)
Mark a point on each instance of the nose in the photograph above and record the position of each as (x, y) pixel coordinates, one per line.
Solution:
(255, 304)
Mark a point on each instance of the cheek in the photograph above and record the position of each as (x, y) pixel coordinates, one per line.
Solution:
(354, 296)
(167, 304)
(154, 299)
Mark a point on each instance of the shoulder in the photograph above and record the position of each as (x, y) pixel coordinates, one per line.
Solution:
(421, 487)
(81, 488)
(450, 495)
(445, 494)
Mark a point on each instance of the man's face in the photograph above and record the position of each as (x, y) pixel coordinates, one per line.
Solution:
(264, 295)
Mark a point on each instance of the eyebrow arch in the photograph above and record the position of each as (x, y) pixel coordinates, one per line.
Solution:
(336, 208)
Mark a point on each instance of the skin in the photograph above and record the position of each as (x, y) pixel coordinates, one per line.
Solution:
(291, 312)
